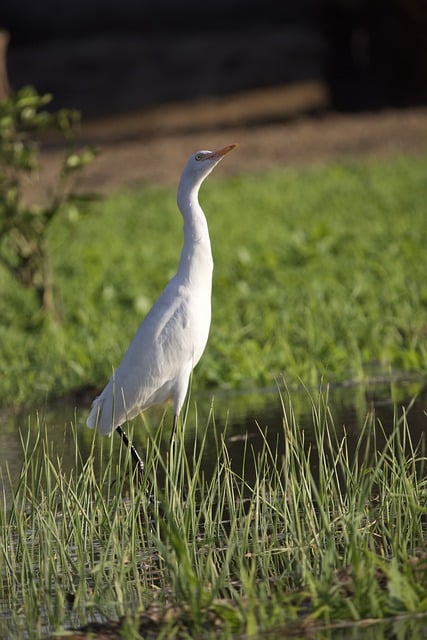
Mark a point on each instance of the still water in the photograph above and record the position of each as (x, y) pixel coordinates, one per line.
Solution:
(246, 419)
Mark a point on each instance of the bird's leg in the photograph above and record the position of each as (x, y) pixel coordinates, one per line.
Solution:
(139, 462)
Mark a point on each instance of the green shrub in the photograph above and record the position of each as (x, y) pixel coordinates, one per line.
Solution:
(23, 225)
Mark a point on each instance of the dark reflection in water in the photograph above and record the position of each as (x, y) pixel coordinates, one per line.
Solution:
(246, 419)
(349, 407)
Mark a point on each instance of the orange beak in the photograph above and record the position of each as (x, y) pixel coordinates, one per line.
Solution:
(221, 152)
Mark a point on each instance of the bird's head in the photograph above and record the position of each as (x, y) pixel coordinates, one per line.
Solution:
(201, 163)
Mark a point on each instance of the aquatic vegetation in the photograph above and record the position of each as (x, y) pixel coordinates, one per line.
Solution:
(321, 533)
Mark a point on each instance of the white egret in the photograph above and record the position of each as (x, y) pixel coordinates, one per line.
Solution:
(172, 337)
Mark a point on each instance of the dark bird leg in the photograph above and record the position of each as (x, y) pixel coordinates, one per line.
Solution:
(138, 461)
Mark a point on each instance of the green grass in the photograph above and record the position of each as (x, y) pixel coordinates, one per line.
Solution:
(318, 272)
(320, 535)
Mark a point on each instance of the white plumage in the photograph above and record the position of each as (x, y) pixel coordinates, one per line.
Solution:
(171, 339)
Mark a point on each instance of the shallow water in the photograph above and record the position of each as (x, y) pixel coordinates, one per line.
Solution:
(247, 418)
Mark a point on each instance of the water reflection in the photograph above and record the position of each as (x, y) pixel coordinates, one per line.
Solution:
(246, 419)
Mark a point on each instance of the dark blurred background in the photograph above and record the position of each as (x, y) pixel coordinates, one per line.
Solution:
(105, 57)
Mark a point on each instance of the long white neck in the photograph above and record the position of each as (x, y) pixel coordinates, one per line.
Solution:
(196, 262)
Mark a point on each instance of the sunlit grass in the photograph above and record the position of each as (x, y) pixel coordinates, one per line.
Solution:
(318, 273)
(318, 535)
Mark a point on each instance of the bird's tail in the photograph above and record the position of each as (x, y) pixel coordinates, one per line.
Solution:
(101, 415)
(95, 410)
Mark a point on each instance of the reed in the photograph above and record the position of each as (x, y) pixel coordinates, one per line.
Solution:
(319, 534)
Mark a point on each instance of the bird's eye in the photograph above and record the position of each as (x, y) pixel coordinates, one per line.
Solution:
(199, 156)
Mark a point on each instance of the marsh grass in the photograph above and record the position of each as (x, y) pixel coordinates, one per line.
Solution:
(318, 535)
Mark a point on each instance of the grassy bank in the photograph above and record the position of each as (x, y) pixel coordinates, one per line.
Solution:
(317, 273)
(319, 535)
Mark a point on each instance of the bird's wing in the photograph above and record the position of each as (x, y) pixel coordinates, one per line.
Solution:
(160, 349)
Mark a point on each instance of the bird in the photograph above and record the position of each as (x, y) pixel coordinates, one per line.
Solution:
(173, 335)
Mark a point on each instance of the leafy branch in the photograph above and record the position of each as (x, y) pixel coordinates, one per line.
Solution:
(23, 225)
